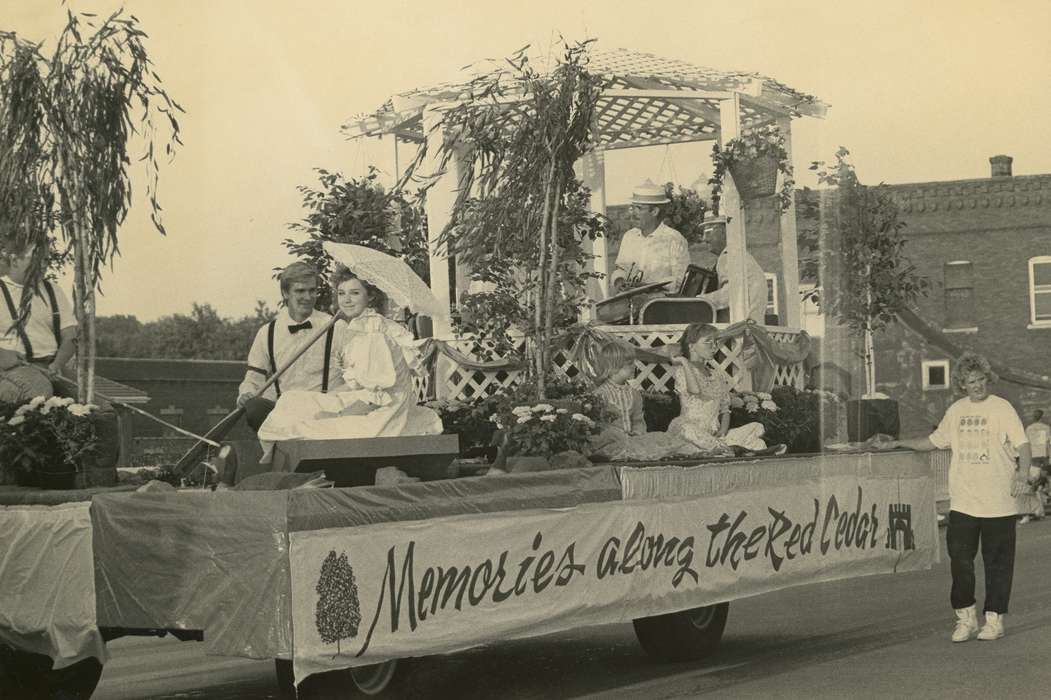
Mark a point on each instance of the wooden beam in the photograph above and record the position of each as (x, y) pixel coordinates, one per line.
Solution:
(687, 138)
(665, 94)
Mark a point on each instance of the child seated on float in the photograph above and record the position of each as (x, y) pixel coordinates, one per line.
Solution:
(704, 398)
(626, 438)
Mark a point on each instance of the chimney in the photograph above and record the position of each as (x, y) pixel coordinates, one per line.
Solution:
(1001, 165)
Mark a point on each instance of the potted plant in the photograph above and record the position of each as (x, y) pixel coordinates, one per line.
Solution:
(51, 443)
(800, 419)
(754, 161)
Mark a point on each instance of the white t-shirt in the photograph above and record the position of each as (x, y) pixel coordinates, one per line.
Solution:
(983, 437)
(1038, 434)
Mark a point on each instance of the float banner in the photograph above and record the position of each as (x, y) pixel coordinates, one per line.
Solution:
(47, 582)
(366, 594)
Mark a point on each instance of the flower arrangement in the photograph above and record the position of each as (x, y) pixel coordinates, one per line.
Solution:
(54, 435)
(764, 142)
(797, 418)
(469, 419)
(544, 429)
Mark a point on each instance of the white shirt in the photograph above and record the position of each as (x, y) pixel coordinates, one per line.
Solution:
(661, 256)
(1038, 434)
(725, 267)
(305, 373)
(983, 436)
(38, 327)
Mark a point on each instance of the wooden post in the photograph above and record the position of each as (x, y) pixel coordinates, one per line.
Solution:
(792, 302)
(730, 206)
(439, 205)
(591, 169)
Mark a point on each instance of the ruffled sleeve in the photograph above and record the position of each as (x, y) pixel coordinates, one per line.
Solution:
(368, 363)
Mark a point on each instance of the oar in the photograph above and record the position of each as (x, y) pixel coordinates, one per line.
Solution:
(73, 385)
(219, 431)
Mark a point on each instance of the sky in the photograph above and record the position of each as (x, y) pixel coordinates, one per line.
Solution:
(918, 91)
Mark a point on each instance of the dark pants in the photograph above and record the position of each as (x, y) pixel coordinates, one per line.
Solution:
(256, 411)
(997, 537)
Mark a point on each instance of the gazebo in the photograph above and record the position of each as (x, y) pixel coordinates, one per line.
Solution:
(646, 100)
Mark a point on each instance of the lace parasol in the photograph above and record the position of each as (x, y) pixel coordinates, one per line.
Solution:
(391, 275)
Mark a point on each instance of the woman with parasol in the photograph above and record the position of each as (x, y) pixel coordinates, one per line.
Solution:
(378, 359)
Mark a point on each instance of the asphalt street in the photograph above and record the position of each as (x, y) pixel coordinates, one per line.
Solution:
(875, 637)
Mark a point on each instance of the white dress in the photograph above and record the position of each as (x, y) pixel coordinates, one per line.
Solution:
(379, 357)
(698, 419)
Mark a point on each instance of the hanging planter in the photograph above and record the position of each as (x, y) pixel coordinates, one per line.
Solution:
(755, 178)
(754, 161)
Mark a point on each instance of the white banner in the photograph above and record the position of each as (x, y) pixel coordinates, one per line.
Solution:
(47, 582)
(366, 594)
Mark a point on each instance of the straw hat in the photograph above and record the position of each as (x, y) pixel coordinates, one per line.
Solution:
(649, 194)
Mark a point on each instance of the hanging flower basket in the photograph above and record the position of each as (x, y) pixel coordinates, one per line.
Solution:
(754, 161)
(755, 178)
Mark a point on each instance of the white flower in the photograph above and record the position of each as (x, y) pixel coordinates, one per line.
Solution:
(549, 418)
(769, 405)
(582, 418)
(752, 408)
(36, 401)
(17, 420)
(763, 395)
(521, 410)
(561, 410)
(494, 419)
(77, 409)
(23, 409)
(55, 402)
(523, 419)
(543, 408)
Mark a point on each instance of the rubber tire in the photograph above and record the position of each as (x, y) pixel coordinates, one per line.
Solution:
(686, 635)
(386, 680)
(27, 675)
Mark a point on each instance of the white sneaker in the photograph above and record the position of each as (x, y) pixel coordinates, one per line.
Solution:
(966, 625)
(993, 627)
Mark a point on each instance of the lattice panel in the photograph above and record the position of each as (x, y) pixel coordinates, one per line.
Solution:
(454, 382)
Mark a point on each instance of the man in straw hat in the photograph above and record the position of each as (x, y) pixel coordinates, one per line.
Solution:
(653, 252)
(714, 229)
(316, 370)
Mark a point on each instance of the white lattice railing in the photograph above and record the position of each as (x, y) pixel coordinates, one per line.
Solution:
(448, 380)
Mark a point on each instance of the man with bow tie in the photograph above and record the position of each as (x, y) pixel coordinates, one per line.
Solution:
(316, 370)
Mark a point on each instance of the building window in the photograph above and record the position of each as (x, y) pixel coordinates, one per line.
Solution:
(810, 317)
(959, 295)
(1040, 290)
(771, 294)
(935, 374)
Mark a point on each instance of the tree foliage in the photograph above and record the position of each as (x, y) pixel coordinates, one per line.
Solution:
(358, 211)
(201, 335)
(66, 121)
(854, 248)
(338, 612)
(517, 133)
(685, 212)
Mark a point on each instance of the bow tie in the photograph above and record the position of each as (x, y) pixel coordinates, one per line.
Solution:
(293, 329)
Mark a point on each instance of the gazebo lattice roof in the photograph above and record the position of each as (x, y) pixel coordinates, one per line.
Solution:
(646, 100)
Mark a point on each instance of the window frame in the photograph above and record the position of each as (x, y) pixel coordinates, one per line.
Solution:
(925, 366)
(1034, 322)
(775, 304)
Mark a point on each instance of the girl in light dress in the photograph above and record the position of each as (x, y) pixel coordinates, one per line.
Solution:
(378, 358)
(626, 438)
(704, 397)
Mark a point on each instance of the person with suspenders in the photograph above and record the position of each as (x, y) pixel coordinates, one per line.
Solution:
(34, 351)
(316, 370)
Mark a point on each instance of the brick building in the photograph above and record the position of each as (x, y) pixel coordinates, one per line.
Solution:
(985, 246)
(192, 394)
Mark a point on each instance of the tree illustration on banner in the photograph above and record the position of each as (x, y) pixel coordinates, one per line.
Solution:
(338, 613)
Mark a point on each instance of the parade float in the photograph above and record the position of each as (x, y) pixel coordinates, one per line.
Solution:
(344, 586)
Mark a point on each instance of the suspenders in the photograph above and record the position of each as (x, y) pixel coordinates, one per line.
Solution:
(273, 357)
(56, 318)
